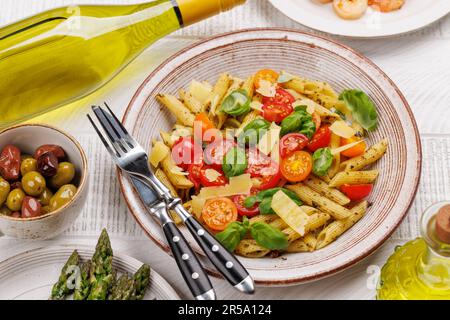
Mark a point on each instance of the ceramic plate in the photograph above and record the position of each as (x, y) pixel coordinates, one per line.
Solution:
(31, 275)
(243, 53)
(415, 14)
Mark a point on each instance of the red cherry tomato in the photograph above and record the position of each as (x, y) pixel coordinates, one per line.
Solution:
(194, 171)
(292, 142)
(185, 152)
(320, 139)
(282, 98)
(221, 180)
(215, 152)
(264, 169)
(357, 191)
(276, 113)
(242, 210)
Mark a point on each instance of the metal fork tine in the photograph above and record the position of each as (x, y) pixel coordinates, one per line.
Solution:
(120, 145)
(119, 125)
(113, 153)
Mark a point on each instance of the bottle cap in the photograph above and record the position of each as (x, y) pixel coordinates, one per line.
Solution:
(443, 224)
(193, 11)
(435, 227)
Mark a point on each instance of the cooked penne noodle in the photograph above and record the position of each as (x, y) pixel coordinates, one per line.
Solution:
(370, 156)
(298, 246)
(250, 249)
(167, 138)
(335, 143)
(177, 108)
(249, 86)
(161, 176)
(267, 218)
(219, 91)
(324, 189)
(249, 117)
(311, 197)
(179, 181)
(332, 231)
(354, 177)
(311, 241)
(188, 99)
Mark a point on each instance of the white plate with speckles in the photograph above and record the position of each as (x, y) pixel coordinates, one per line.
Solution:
(414, 15)
(31, 275)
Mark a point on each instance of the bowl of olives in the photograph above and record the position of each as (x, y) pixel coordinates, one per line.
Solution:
(43, 181)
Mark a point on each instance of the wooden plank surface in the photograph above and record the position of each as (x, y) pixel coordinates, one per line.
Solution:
(418, 63)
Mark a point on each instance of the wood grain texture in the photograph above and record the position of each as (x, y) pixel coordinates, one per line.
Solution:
(418, 63)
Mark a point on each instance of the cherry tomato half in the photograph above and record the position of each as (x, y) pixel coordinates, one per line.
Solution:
(206, 125)
(242, 210)
(292, 142)
(264, 169)
(265, 74)
(218, 213)
(220, 180)
(357, 191)
(276, 113)
(320, 139)
(282, 98)
(185, 152)
(297, 166)
(355, 151)
(194, 171)
(216, 150)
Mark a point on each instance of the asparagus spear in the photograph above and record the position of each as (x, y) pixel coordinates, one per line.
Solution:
(62, 287)
(141, 279)
(101, 274)
(123, 290)
(83, 284)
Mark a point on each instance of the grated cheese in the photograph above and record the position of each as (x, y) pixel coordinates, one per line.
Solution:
(342, 129)
(269, 139)
(267, 88)
(346, 147)
(290, 212)
(200, 91)
(212, 174)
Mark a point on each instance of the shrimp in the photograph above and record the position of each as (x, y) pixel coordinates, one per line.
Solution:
(386, 5)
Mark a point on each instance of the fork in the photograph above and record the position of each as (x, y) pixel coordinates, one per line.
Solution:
(132, 158)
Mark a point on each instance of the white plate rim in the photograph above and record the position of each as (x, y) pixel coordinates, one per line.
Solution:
(309, 21)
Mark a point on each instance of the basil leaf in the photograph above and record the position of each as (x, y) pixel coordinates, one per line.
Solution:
(362, 108)
(250, 201)
(265, 206)
(236, 103)
(234, 162)
(265, 199)
(232, 235)
(253, 131)
(245, 222)
(268, 236)
(322, 160)
(298, 121)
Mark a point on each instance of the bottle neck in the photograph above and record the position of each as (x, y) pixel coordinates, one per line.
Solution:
(192, 11)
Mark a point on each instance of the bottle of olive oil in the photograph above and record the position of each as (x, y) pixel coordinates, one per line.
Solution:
(420, 269)
(61, 55)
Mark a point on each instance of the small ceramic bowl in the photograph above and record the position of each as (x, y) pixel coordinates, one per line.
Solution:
(27, 138)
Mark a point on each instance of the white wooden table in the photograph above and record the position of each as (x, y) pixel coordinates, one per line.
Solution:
(419, 63)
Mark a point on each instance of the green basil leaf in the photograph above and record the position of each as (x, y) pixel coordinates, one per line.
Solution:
(236, 103)
(232, 235)
(245, 222)
(268, 236)
(250, 201)
(298, 121)
(362, 108)
(265, 206)
(265, 199)
(253, 131)
(322, 160)
(234, 162)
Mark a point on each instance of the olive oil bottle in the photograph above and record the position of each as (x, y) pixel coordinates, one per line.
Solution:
(420, 269)
(61, 55)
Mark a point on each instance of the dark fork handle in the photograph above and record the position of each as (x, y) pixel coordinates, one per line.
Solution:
(225, 262)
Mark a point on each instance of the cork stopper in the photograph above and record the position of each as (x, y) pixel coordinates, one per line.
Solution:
(193, 11)
(435, 228)
(443, 224)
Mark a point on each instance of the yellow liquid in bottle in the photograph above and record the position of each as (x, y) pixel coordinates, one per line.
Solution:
(64, 54)
(413, 272)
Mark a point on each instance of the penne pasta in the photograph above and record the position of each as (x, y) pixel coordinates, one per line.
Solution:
(335, 143)
(354, 177)
(250, 249)
(249, 117)
(311, 197)
(332, 231)
(220, 90)
(179, 181)
(161, 176)
(324, 189)
(370, 156)
(177, 108)
(192, 103)
(249, 86)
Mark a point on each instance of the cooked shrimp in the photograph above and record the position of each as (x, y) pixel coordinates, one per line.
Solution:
(386, 5)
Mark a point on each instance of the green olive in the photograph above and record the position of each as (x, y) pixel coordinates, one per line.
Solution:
(28, 165)
(25, 156)
(45, 210)
(62, 196)
(4, 190)
(45, 197)
(4, 211)
(64, 175)
(33, 183)
(14, 200)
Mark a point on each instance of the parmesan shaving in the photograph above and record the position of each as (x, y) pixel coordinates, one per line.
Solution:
(256, 105)
(345, 147)
(159, 152)
(267, 88)
(178, 171)
(290, 212)
(200, 91)
(237, 185)
(310, 105)
(342, 129)
(269, 139)
(212, 174)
